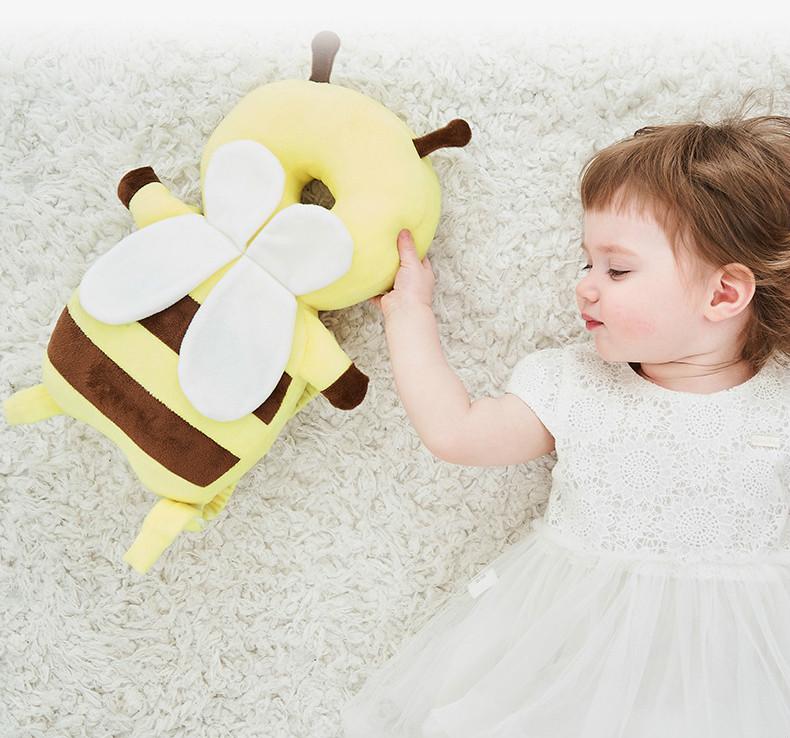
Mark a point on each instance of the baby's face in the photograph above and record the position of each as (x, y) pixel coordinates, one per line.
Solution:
(647, 313)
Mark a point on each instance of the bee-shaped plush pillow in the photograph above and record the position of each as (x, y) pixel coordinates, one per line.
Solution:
(192, 341)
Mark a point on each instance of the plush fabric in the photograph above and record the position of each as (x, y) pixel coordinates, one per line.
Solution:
(259, 265)
(348, 536)
(154, 267)
(243, 185)
(238, 343)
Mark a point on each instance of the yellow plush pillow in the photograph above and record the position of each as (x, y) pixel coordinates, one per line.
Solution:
(193, 340)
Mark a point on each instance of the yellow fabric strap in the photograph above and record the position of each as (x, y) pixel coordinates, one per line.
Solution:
(163, 523)
(30, 405)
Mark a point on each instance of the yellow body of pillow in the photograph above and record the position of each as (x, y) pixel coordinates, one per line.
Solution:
(143, 355)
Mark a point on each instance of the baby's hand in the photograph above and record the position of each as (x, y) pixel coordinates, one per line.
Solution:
(413, 283)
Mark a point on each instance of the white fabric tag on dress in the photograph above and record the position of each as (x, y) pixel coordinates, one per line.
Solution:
(765, 440)
(483, 581)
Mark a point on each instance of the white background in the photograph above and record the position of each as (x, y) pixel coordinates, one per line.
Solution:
(415, 15)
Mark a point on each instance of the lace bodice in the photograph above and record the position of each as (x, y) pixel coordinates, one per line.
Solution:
(657, 473)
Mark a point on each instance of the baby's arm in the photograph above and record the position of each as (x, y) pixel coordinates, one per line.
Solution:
(491, 431)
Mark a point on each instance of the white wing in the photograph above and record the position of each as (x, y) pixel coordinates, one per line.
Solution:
(154, 267)
(305, 247)
(238, 344)
(243, 185)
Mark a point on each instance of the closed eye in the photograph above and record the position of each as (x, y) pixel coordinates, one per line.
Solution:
(612, 272)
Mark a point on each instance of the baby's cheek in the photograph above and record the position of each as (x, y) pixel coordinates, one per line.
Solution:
(635, 326)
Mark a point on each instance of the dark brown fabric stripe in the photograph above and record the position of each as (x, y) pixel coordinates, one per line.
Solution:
(170, 325)
(155, 428)
(269, 408)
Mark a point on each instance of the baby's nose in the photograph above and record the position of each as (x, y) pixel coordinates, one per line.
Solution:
(585, 289)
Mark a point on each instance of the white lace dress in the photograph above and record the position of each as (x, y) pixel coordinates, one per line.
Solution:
(652, 600)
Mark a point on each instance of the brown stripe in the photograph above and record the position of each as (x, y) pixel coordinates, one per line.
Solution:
(155, 428)
(269, 408)
(170, 325)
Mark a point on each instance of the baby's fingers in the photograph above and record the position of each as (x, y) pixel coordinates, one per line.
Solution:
(406, 248)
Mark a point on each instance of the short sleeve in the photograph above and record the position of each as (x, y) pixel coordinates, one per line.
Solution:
(537, 379)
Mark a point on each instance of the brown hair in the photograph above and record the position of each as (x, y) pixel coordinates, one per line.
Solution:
(722, 195)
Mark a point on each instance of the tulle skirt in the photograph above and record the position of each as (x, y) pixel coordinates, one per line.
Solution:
(566, 644)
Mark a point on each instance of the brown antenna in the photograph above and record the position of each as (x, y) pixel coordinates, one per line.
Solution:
(455, 133)
(325, 46)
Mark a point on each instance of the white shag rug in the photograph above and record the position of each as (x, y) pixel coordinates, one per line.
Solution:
(348, 536)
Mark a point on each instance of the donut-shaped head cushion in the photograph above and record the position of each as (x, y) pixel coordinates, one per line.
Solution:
(363, 153)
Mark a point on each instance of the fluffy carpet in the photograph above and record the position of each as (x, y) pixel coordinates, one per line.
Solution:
(349, 534)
